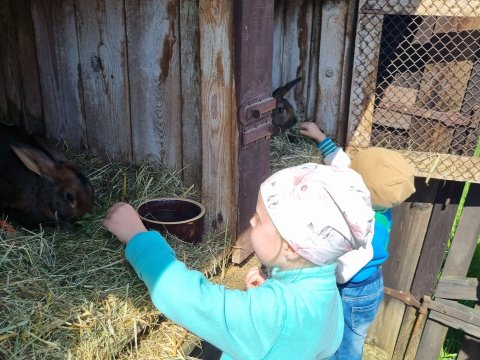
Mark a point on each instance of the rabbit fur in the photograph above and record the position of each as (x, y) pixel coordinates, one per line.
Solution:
(283, 116)
(38, 184)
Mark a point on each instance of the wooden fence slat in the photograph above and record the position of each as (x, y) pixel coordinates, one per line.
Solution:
(190, 84)
(470, 346)
(456, 264)
(10, 62)
(409, 225)
(103, 61)
(253, 79)
(154, 80)
(367, 50)
(458, 316)
(330, 66)
(296, 41)
(347, 72)
(58, 62)
(3, 96)
(28, 66)
(218, 115)
(458, 288)
(312, 83)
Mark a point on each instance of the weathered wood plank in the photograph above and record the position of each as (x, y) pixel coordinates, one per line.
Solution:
(58, 61)
(312, 82)
(347, 71)
(103, 61)
(190, 85)
(409, 225)
(331, 65)
(444, 166)
(470, 8)
(10, 62)
(470, 346)
(367, 49)
(253, 59)
(3, 96)
(457, 263)
(296, 49)
(456, 315)
(154, 78)
(30, 81)
(279, 15)
(218, 115)
(434, 245)
(458, 288)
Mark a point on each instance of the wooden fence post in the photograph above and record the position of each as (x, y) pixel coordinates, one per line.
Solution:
(457, 264)
(409, 226)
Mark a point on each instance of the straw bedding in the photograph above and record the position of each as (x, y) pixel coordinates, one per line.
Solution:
(70, 293)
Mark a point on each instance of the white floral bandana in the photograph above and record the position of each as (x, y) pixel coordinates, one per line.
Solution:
(321, 211)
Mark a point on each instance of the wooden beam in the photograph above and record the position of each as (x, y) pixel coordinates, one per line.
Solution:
(409, 225)
(457, 263)
(190, 92)
(153, 36)
(458, 288)
(104, 73)
(59, 68)
(218, 115)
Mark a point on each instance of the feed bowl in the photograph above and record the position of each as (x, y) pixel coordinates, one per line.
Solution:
(181, 217)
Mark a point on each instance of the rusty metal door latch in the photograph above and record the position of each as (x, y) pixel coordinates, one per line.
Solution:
(258, 122)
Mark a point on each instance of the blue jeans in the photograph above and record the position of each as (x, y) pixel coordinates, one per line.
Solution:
(360, 305)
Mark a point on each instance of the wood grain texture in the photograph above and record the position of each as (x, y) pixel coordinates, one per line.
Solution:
(367, 49)
(59, 68)
(10, 63)
(30, 81)
(103, 61)
(409, 225)
(295, 49)
(218, 115)
(330, 67)
(457, 263)
(3, 97)
(190, 84)
(154, 79)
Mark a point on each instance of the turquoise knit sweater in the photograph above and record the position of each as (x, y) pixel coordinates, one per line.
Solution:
(297, 314)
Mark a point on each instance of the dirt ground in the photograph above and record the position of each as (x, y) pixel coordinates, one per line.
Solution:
(234, 278)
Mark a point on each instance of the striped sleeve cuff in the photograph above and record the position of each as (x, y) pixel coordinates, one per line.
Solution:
(326, 147)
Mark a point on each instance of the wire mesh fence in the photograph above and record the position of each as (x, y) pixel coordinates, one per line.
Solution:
(416, 84)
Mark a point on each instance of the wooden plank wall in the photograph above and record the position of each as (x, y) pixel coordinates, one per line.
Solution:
(314, 40)
(124, 80)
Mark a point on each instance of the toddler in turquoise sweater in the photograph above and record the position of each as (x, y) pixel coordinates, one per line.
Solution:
(306, 217)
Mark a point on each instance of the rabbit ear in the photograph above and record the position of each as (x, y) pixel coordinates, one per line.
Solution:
(34, 160)
(281, 91)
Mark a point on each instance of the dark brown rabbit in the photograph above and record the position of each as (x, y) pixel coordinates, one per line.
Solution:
(283, 115)
(38, 184)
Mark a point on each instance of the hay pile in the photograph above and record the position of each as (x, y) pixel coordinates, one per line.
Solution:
(71, 294)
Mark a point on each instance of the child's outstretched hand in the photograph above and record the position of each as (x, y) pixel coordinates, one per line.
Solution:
(123, 221)
(311, 130)
(255, 277)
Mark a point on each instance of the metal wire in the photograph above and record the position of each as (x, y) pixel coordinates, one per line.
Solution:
(416, 84)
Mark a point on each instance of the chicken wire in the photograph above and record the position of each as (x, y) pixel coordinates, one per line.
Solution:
(416, 84)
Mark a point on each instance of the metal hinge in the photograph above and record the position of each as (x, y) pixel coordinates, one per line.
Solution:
(259, 122)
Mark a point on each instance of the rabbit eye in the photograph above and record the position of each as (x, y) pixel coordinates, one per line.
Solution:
(281, 110)
(69, 198)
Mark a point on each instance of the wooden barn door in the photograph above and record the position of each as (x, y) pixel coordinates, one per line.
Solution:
(253, 82)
